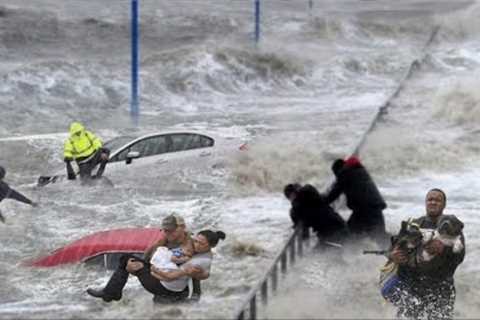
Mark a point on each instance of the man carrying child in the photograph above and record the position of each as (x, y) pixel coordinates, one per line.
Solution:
(176, 237)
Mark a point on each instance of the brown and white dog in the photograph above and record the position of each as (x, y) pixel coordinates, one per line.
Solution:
(449, 231)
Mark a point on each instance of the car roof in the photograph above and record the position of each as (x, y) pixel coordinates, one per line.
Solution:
(176, 132)
(161, 133)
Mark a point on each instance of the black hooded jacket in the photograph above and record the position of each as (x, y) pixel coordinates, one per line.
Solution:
(310, 208)
(357, 185)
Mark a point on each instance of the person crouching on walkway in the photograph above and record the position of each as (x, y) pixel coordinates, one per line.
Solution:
(310, 209)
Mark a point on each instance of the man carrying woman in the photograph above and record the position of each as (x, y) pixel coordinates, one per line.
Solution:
(166, 285)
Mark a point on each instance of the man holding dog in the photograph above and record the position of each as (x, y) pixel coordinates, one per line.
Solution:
(429, 287)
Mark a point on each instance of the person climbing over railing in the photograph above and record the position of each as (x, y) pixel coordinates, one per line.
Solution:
(363, 198)
(310, 209)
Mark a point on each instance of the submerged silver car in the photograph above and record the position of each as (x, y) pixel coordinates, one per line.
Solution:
(163, 146)
(161, 153)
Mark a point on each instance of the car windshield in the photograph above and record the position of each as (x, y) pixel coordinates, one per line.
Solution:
(118, 142)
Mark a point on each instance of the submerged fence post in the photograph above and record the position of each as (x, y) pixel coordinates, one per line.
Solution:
(134, 99)
(300, 245)
(253, 308)
(283, 262)
(257, 21)
(274, 278)
(265, 292)
(292, 250)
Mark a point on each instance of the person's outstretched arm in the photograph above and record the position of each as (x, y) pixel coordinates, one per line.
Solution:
(13, 194)
(334, 192)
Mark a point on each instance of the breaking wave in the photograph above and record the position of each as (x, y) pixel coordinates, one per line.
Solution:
(225, 70)
(274, 161)
(459, 102)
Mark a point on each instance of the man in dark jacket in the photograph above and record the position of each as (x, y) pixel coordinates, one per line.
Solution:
(363, 198)
(8, 193)
(428, 289)
(310, 209)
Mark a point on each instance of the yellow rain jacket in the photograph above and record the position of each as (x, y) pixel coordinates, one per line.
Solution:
(81, 144)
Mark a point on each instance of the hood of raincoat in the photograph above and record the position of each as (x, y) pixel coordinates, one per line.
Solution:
(353, 162)
(76, 127)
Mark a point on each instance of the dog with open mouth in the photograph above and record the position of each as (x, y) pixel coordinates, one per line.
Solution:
(449, 232)
(412, 239)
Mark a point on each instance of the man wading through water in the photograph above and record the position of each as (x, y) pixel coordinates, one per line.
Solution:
(428, 289)
(170, 290)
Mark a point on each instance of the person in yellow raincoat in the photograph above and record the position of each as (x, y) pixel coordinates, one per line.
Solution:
(87, 151)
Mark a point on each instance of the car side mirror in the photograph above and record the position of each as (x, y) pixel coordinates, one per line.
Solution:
(132, 155)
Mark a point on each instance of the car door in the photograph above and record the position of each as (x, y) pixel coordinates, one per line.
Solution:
(161, 156)
(189, 149)
(150, 153)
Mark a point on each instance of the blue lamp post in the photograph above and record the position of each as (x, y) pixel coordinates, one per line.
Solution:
(257, 21)
(134, 112)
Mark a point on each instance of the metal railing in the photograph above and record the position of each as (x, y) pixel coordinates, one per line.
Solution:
(382, 110)
(293, 247)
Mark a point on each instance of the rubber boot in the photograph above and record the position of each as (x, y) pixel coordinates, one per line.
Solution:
(101, 169)
(118, 280)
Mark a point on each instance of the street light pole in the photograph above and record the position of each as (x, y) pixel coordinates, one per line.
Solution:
(134, 112)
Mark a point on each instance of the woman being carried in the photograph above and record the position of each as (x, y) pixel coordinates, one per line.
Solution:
(168, 285)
